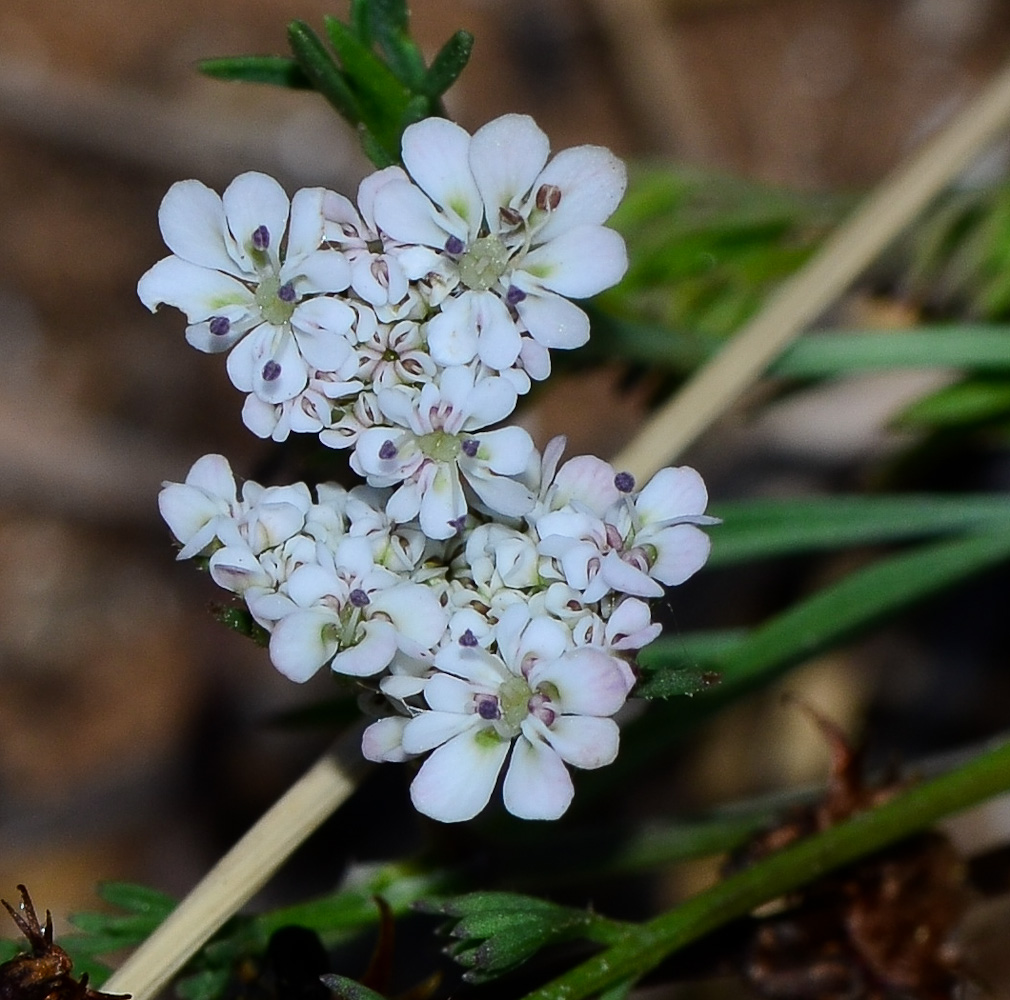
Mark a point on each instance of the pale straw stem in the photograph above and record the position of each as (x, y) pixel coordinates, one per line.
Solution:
(804, 296)
(242, 871)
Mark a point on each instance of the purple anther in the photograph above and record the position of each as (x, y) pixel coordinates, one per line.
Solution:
(286, 293)
(624, 481)
(468, 639)
(454, 245)
(358, 597)
(219, 325)
(487, 707)
(514, 295)
(458, 523)
(548, 197)
(387, 450)
(470, 447)
(271, 371)
(261, 238)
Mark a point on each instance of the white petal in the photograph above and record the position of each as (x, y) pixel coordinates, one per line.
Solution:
(625, 578)
(587, 680)
(445, 693)
(322, 271)
(213, 474)
(671, 493)
(435, 153)
(415, 612)
(537, 784)
(192, 222)
(253, 200)
(302, 642)
(589, 481)
(198, 291)
(554, 321)
(404, 212)
(681, 551)
(499, 493)
(442, 503)
(382, 740)
(506, 450)
(473, 664)
(506, 155)
(371, 654)
(580, 262)
(592, 182)
(452, 334)
(305, 230)
(430, 729)
(584, 740)
(456, 781)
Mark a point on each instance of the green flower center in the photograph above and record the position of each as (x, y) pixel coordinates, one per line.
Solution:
(274, 308)
(513, 700)
(483, 263)
(440, 446)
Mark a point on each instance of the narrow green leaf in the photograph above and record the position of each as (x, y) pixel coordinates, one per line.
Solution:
(281, 71)
(324, 74)
(389, 27)
(754, 529)
(645, 946)
(857, 601)
(136, 898)
(975, 347)
(360, 22)
(449, 62)
(971, 402)
(680, 683)
(349, 989)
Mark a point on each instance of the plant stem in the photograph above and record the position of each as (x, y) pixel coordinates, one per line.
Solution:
(804, 296)
(804, 861)
(242, 871)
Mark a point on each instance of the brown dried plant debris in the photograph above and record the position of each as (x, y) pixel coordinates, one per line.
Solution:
(45, 973)
(876, 930)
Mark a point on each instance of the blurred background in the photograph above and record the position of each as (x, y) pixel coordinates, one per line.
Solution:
(135, 733)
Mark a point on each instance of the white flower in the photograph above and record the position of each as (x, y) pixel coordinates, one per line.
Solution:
(436, 435)
(242, 285)
(355, 615)
(639, 542)
(545, 701)
(522, 234)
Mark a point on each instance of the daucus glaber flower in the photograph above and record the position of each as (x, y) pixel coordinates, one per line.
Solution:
(548, 703)
(522, 235)
(437, 435)
(247, 270)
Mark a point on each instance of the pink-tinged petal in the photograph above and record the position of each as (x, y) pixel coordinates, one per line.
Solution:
(580, 262)
(305, 229)
(589, 481)
(192, 223)
(431, 729)
(382, 741)
(445, 693)
(537, 784)
(680, 552)
(554, 321)
(442, 503)
(588, 681)
(371, 654)
(321, 271)
(671, 493)
(592, 182)
(404, 213)
(197, 291)
(455, 783)
(253, 200)
(378, 280)
(535, 359)
(302, 642)
(584, 740)
(435, 153)
(630, 625)
(506, 155)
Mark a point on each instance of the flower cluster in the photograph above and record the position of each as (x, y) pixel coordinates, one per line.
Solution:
(493, 600)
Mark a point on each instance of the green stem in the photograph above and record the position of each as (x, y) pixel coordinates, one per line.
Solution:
(646, 946)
